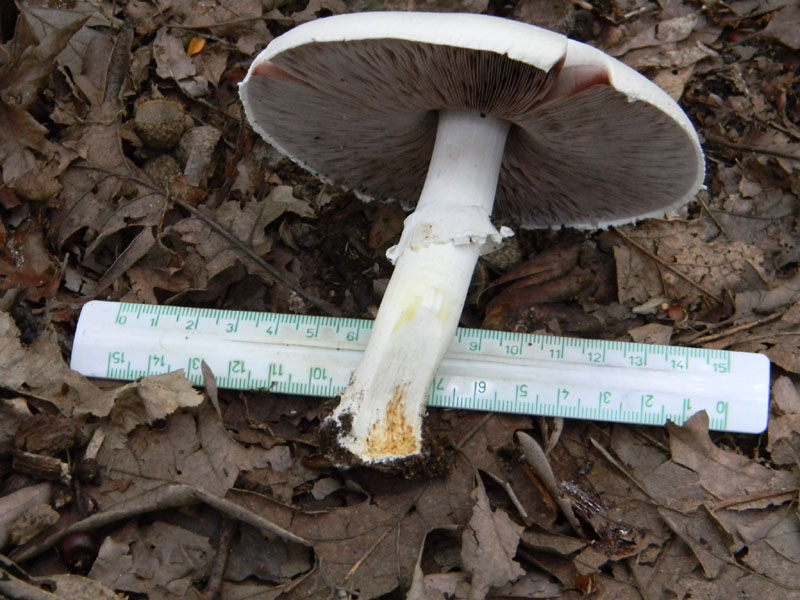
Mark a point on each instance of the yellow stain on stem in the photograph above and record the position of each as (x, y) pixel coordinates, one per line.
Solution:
(436, 301)
(393, 435)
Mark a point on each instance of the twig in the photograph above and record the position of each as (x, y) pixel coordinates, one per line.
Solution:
(227, 533)
(607, 455)
(239, 21)
(747, 148)
(765, 495)
(14, 587)
(293, 285)
(713, 218)
(277, 275)
(512, 495)
(474, 430)
(737, 329)
(172, 495)
(357, 565)
(669, 267)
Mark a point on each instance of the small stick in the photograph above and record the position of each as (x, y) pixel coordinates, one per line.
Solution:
(667, 266)
(168, 496)
(227, 533)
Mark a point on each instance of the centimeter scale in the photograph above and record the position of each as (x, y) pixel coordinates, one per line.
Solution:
(483, 370)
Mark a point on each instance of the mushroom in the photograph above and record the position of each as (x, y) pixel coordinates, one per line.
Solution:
(449, 111)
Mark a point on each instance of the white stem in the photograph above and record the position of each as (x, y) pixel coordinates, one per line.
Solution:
(380, 413)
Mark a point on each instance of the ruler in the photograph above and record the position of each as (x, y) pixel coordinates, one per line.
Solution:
(484, 370)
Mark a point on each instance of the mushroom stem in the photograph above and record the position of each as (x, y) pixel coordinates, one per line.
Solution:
(380, 414)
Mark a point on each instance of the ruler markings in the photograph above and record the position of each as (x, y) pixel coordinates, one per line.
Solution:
(309, 355)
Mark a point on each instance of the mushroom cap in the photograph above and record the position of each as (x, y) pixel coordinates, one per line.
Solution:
(355, 98)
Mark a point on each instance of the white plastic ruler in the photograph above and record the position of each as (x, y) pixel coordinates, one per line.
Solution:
(483, 370)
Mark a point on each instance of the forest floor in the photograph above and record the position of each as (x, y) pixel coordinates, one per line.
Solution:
(124, 153)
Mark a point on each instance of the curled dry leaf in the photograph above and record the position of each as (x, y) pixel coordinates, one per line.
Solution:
(151, 399)
(489, 544)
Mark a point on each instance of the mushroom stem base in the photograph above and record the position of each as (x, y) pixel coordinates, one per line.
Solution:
(380, 413)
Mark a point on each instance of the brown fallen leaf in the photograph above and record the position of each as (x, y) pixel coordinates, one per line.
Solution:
(652, 333)
(30, 162)
(703, 533)
(151, 399)
(371, 546)
(191, 449)
(772, 539)
(786, 354)
(489, 544)
(784, 26)
(172, 62)
(722, 473)
(266, 556)
(39, 369)
(673, 260)
(784, 427)
(247, 223)
(160, 560)
(27, 264)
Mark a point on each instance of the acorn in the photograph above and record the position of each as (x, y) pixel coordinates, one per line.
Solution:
(78, 551)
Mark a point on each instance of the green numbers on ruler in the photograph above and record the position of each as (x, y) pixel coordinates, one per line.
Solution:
(637, 360)
(523, 373)
(236, 367)
(156, 363)
(318, 373)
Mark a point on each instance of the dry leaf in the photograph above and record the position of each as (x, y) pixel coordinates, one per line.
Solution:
(151, 399)
(701, 531)
(784, 26)
(77, 587)
(39, 368)
(722, 473)
(246, 222)
(160, 559)
(172, 62)
(192, 449)
(489, 544)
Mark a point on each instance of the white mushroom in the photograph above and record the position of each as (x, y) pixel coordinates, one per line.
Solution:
(455, 110)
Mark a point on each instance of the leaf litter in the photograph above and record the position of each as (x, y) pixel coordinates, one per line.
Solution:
(198, 210)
